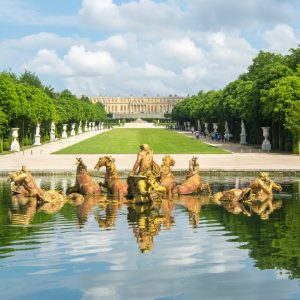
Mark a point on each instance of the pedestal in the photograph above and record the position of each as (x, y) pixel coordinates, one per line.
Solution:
(52, 137)
(243, 138)
(79, 128)
(37, 140)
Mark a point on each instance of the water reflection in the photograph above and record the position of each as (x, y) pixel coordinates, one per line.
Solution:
(185, 238)
(23, 210)
(84, 207)
(193, 204)
(148, 220)
(106, 214)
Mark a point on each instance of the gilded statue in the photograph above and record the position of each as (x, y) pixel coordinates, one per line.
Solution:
(167, 179)
(144, 186)
(192, 183)
(260, 189)
(112, 182)
(145, 162)
(150, 188)
(85, 183)
(24, 184)
(257, 197)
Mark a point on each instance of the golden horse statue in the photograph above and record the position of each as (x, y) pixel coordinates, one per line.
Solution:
(167, 179)
(111, 180)
(192, 183)
(84, 184)
(24, 184)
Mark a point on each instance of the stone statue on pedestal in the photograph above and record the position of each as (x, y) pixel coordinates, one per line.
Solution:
(37, 137)
(79, 128)
(266, 145)
(52, 132)
(73, 130)
(15, 146)
(64, 134)
(243, 134)
(206, 128)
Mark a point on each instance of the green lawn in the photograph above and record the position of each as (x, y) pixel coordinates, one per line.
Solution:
(127, 141)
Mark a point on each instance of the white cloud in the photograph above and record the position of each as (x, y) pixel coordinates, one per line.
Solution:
(115, 42)
(47, 62)
(77, 62)
(125, 64)
(89, 63)
(157, 72)
(102, 13)
(137, 16)
(40, 40)
(280, 39)
(183, 50)
(182, 15)
(154, 47)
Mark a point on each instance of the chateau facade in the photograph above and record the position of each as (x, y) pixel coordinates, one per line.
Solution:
(138, 107)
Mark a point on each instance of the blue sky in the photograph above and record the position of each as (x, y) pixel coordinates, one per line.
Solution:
(106, 47)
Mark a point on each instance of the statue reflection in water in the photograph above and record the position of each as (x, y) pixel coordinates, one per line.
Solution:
(148, 220)
(84, 205)
(193, 204)
(107, 215)
(24, 209)
(262, 208)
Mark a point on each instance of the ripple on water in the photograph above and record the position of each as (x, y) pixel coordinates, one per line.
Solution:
(177, 250)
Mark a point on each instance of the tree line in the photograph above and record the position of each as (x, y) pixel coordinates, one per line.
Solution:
(268, 94)
(25, 101)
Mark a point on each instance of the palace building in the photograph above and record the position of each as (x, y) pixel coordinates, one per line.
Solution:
(138, 107)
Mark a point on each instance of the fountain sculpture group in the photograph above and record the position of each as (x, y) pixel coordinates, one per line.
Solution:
(150, 183)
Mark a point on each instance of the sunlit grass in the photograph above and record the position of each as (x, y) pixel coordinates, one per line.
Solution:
(127, 141)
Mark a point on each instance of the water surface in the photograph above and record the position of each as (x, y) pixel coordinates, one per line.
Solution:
(187, 248)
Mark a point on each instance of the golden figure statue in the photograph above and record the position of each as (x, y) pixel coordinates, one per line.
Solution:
(262, 187)
(150, 189)
(24, 184)
(257, 197)
(192, 183)
(259, 189)
(144, 186)
(145, 163)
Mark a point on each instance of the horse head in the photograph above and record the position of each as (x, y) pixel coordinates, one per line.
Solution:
(18, 176)
(168, 161)
(81, 167)
(104, 161)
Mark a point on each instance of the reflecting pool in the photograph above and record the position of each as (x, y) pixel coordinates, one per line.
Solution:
(187, 248)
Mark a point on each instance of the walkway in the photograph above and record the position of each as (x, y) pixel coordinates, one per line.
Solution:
(39, 158)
